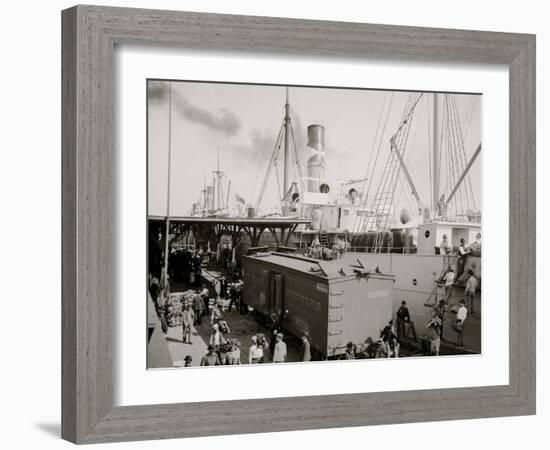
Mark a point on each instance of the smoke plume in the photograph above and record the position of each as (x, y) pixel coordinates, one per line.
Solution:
(223, 121)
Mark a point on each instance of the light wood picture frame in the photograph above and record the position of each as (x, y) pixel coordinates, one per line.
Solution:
(89, 36)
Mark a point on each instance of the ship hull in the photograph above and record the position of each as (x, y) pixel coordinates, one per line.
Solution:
(415, 283)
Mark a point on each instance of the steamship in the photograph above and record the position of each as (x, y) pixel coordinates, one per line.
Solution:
(360, 213)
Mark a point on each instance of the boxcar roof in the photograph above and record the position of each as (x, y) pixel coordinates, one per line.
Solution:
(335, 269)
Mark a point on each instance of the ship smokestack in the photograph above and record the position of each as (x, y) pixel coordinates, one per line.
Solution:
(210, 198)
(316, 163)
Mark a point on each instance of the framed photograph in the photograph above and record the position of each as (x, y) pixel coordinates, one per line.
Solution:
(278, 224)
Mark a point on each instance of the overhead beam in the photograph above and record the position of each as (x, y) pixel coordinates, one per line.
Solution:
(461, 179)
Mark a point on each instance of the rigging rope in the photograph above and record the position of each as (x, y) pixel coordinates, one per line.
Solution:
(262, 158)
(468, 181)
(430, 151)
(370, 168)
(272, 161)
(463, 200)
(386, 192)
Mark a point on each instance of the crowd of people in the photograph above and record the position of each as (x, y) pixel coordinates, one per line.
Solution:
(392, 336)
(474, 248)
(335, 251)
(434, 326)
(221, 350)
(272, 348)
(262, 348)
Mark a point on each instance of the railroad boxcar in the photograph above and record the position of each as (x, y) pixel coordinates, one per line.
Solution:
(336, 302)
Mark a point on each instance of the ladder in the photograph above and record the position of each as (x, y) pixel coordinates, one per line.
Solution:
(378, 218)
(323, 238)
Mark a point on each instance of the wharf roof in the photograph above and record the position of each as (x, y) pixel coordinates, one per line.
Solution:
(245, 221)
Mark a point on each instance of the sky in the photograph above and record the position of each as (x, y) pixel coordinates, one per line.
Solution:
(241, 122)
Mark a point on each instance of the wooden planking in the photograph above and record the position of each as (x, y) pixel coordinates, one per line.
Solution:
(522, 191)
(305, 37)
(68, 225)
(302, 413)
(88, 207)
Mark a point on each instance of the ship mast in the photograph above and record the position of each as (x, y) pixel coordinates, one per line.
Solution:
(218, 179)
(217, 183)
(436, 154)
(167, 237)
(204, 198)
(287, 151)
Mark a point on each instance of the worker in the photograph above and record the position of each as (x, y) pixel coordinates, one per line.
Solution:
(211, 358)
(279, 352)
(243, 308)
(188, 360)
(461, 315)
(206, 299)
(470, 290)
(439, 310)
(160, 308)
(233, 357)
(187, 322)
(216, 337)
(264, 344)
(198, 308)
(445, 247)
(389, 337)
(434, 334)
(154, 287)
(223, 287)
(449, 279)
(475, 247)
(350, 351)
(217, 313)
(165, 284)
(463, 251)
(306, 347)
(233, 295)
(255, 352)
(403, 317)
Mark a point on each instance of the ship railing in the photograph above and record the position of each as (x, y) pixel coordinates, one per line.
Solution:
(384, 249)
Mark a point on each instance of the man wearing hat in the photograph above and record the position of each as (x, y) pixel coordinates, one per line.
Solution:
(470, 290)
(389, 337)
(279, 352)
(444, 247)
(188, 360)
(403, 316)
(439, 311)
(461, 315)
(306, 347)
(256, 352)
(434, 334)
(350, 351)
(449, 279)
(211, 358)
(188, 319)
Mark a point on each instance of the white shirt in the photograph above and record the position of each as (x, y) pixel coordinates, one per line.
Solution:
(256, 352)
(279, 353)
(216, 338)
(449, 279)
(462, 313)
(471, 285)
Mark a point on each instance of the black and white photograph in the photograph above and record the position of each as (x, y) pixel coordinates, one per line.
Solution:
(292, 224)
(259, 225)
